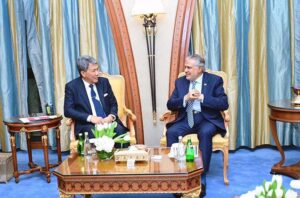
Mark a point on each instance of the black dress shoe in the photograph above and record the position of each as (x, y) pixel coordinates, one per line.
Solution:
(203, 191)
(177, 195)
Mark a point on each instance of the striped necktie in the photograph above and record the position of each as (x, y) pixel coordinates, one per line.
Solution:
(189, 109)
(97, 104)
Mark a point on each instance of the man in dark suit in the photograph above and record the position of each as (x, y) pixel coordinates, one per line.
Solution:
(198, 98)
(89, 99)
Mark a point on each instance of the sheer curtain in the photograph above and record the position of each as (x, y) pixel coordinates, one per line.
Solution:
(54, 35)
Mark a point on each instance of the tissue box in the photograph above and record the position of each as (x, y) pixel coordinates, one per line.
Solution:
(123, 155)
(6, 167)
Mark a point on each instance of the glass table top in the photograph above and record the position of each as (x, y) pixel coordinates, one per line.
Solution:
(78, 166)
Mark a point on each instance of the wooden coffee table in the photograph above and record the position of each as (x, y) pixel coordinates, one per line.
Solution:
(77, 175)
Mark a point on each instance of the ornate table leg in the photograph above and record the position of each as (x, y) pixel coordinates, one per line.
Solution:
(14, 154)
(46, 157)
(63, 195)
(275, 137)
(192, 194)
(29, 149)
(58, 145)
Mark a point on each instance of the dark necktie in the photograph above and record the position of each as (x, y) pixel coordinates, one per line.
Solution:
(189, 109)
(97, 104)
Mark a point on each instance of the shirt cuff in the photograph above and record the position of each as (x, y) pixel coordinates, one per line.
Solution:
(113, 116)
(89, 118)
(184, 101)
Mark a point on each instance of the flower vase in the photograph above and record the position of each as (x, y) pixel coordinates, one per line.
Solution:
(103, 155)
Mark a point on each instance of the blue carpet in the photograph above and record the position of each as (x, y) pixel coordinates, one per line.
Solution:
(247, 169)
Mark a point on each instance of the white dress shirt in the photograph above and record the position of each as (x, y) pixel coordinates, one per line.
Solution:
(198, 86)
(88, 91)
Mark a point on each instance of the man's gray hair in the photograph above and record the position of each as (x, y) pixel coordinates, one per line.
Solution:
(199, 60)
(83, 63)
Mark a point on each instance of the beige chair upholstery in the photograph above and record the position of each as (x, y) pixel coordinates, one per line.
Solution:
(126, 116)
(219, 142)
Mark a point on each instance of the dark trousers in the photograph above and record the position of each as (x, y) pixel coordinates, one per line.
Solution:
(205, 131)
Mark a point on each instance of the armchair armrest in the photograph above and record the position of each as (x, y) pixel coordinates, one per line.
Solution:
(73, 142)
(226, 118)
(131, 118)
(226, 115)
(70, 124)
(167, 117)
(129, 113)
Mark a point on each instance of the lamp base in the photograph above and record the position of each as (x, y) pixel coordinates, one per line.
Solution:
(154, 117)
(296, 100)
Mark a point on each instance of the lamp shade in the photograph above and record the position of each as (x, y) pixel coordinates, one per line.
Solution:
(144, 7)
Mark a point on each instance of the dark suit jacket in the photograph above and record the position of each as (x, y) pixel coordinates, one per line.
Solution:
(215, 100)
(77, 105)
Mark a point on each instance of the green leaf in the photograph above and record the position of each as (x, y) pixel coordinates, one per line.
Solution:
(114, 125)
(284, 191)
(274, 185)
(96, 133)
(120, 139)
(264, 185)
(273, 194)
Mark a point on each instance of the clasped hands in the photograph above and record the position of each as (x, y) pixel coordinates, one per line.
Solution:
(194, 95)
(100, 120)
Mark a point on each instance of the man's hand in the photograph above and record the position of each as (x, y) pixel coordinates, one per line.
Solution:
(97, 120)
(108, 119)
(100, 120)
(194, 95)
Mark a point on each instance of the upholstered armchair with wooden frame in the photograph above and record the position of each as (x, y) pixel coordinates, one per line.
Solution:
(126, 116)
(219, 142)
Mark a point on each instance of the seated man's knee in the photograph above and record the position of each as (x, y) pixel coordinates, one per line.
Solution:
(207, 130)
(172, 136)
(173, 132)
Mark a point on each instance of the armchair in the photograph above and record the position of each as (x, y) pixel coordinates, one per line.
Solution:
(126, 116)
(219, 142)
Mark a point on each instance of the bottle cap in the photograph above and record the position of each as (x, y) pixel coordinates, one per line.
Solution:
(86, 133)
(80, 134)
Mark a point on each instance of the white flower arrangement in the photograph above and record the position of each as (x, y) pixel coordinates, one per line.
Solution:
(271, 189)
(104, 137)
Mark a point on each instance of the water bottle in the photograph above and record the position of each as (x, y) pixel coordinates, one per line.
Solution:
(49, 109)
(87, 145)
(80, 145)
(180, 150)
(189, 154)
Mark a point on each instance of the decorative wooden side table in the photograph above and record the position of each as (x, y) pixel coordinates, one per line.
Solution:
(16, 126)
(283, 111)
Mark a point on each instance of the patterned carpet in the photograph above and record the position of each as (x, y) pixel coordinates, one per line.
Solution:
(247, 169)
